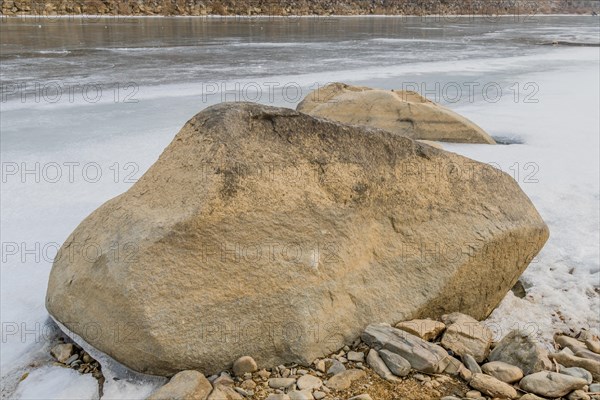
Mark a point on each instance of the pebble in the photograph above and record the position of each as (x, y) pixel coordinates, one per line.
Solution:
(309, 382)
(318, 395)
(336, 367)
(241, 391)
(361, 397)
(62, 352)
(344, 379)
(356, 356)
(278, 396)
(243, 365)
(248, 384)
(281, 383)
(71, 359)
(224, 379)
(503, 371)
(320, 365)
(595, 388)
(264, 374)
(551, 384)
(300, 395)
(578, 395)
(473, 394)
(87, 358)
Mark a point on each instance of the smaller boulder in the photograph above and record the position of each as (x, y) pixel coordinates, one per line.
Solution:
(426, 329)
(356, 356)
(185, 385)
(520, 349)
(309, 382)
(551, 384)
(244, 365)
(466, 335)
(503, 371)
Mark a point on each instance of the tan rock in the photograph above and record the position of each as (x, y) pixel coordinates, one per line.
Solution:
(265, 231)
(426, 329)
(403, 112)
(465, 335)
(565, 341)
(62, 351)
(186, 385)
(503, 371)
(222, 392)
(493, 387)
(593, 345)
(344, 379)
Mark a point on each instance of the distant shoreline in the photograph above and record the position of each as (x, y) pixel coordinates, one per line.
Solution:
(297, 8)
(303, 16)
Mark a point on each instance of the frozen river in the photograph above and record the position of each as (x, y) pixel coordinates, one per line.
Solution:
(88, 105)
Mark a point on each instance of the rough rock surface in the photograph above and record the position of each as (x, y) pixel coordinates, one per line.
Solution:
(520, 349)
(503, 371)
(402, 112)
(569, 360)
(397, 364)
(493, 387)
(466, 335)
(551, 384)
(265, 232)
(186, 385)
(426, 329)
(344, 379)
(422, 355)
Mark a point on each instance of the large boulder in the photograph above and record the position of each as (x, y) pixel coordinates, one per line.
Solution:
(268, 233)
(403, 112)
